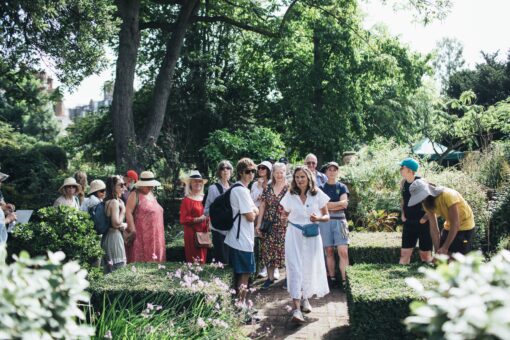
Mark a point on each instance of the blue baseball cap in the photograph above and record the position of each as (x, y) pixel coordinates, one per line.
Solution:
(410, 163)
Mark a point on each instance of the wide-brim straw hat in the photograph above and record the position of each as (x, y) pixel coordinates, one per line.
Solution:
(194, 174)
(147, 179)
(420, 190)
(69, 182)
(96, 185)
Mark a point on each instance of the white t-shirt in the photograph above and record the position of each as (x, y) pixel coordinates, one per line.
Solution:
(256, 193)
(242, 202)
(299, 213)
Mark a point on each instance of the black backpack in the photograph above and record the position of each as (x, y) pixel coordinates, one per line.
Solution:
(101, 221)
(220, 212)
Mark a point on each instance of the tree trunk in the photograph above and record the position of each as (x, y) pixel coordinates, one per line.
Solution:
(164, 79)
(122, 103)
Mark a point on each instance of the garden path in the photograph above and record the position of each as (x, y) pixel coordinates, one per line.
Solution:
(328, 320)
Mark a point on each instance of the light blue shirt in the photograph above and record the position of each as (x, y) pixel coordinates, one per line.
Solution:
(3, 229)
(321, 179)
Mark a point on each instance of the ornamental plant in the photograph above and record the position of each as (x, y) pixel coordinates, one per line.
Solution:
(464, 299)
(39, 298)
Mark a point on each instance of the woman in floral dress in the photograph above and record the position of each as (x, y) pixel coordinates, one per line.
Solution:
(271, 212)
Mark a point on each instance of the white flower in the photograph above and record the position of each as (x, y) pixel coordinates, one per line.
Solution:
(108, 335)
(201, 323)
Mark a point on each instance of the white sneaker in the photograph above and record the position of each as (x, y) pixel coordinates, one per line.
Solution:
(263, 272)
(276, 274)
(297, 317)
(305, 306)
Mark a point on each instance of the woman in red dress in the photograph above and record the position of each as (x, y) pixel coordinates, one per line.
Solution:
(145, 235)
(192, 217)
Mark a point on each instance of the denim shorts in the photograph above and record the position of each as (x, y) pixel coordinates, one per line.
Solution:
(242, 262)
(331, 233)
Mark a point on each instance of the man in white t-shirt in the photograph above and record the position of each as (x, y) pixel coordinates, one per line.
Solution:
(241, 256)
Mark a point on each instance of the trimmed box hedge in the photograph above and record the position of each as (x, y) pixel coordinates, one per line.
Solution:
(377, 247)
(142, 280)
(378, 300)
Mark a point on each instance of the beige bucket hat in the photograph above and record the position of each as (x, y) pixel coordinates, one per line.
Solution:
(96, 185)
(147, 179)
(69, 182)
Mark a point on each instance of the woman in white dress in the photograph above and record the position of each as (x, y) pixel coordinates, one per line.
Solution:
(306, 206)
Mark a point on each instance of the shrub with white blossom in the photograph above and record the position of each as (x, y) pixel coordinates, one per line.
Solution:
(466, 299)
(39, 298)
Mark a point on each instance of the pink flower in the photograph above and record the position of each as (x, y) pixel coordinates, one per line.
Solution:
(150, 306)
(201, 323)
(154, 257)
(250, 304)
(288, 308)
(110, 263)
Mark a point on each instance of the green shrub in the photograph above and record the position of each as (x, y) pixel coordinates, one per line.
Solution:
(490, 167)
(222, 144)
(378, 300)
(499, 226)
(377, 248)
(59, 229)
(39, 298)
(464, 299)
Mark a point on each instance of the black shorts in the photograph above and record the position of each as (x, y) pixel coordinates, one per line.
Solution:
(414, 231)
(461, 243)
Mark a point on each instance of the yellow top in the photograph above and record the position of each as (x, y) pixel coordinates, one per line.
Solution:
(448, 198)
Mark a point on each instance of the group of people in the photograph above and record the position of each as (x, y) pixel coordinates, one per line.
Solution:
(296, 220)
(136, 228)
(422, 204)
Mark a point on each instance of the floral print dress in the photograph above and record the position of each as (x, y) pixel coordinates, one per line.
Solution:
(273, 242)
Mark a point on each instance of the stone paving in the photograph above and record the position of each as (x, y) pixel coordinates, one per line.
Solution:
(329, 318)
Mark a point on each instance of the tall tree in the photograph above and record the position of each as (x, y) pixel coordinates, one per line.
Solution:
(448, 60)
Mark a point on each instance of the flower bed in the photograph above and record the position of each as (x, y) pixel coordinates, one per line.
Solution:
(378, 299)
(171, 300)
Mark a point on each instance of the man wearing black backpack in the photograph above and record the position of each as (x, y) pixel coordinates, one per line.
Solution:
(241, 237)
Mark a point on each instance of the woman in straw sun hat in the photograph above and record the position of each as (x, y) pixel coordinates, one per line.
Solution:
(68, 189)
(459, 226)
(95, 195)
(145, 241)
(192, 216)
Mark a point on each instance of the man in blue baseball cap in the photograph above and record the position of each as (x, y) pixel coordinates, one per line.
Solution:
(416, 225)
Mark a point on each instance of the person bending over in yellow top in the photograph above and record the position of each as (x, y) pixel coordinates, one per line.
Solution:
(459, 225)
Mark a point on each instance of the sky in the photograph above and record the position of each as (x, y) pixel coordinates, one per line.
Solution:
(480, 25)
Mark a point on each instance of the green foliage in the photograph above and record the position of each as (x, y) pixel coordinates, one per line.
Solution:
(59, 229)
(490, 167)
(464, 299)
(223, 144)
(374, 179)
(448, 59)
(39, 298)
(34, 170)
(71, 35)
(378, 300)
(90, 138)
(24, 103)
(490, 80)
(382, 247)
(381, 220)
(499, 226)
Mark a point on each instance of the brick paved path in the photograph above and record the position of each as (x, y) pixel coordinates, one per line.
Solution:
(328, 320)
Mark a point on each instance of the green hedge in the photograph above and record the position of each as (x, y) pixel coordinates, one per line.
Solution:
(378, 300)
(144, 280)
(377, 248)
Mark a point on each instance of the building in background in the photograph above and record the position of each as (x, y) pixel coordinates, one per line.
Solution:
(93, 106)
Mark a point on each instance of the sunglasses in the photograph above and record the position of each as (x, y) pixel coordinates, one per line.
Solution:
(121, 184)
(102, 191)
(225, 168)
(250, 171)
(262, 168)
